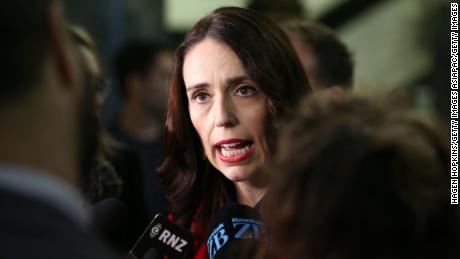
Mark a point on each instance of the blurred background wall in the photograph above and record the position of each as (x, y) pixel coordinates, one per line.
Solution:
(400, 46)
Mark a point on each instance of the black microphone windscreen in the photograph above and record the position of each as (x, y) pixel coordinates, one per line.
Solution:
(108, 215)
(152, 253)
(234, 226)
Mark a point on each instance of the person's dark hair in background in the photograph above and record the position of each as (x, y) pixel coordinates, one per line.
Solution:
(325, 58)
(196, 189)
(46, 121)
(278, 10)
(148, 61)
(352, 179)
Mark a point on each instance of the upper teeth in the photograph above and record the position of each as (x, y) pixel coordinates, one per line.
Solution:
(234, 152)
(229, 145)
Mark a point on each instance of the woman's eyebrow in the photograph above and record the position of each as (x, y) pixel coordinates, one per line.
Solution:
(232, 81)
(199, 85)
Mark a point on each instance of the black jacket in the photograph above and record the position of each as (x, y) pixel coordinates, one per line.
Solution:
(30, 228)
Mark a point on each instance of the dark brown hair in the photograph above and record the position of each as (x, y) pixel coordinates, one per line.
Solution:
(269, 59)
(352, 179)
(136, 57)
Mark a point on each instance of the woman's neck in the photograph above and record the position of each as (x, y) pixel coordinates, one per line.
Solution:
(249, 194)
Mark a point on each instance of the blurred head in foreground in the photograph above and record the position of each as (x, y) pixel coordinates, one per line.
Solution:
(352, 179)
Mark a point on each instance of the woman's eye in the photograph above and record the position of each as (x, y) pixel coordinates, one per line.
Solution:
(200, 97)
(246, 91)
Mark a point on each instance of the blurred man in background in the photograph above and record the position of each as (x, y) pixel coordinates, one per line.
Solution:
(326, 60)
(47, 131)
(142, 70)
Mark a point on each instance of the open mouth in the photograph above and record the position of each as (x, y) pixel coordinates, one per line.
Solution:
(235, 151)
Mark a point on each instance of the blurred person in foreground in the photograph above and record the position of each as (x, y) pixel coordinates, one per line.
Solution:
(325, 58)
(360, 180)
(47, 125)
(236, 75)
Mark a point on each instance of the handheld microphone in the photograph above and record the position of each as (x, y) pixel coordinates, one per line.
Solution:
(108, 215)
(163, 236)
(235, 226)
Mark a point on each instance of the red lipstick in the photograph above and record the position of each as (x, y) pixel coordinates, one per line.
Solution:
(234, 150)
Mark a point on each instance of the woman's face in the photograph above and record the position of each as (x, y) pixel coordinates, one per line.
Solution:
(227, 109)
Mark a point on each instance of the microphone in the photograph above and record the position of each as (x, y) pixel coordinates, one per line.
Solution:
(152, 253)
(163, 236)
(234, 227)
(109, 217)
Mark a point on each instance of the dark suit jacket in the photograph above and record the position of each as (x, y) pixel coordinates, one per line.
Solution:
(30, 228)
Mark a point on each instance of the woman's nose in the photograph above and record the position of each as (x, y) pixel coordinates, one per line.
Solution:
(225, 113)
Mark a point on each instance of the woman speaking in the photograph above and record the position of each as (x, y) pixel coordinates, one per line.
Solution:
(236, 74)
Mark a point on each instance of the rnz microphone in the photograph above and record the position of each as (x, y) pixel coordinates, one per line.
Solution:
(236, 232)
(164, 236)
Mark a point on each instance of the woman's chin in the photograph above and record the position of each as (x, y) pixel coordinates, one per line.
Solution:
(238, 174)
